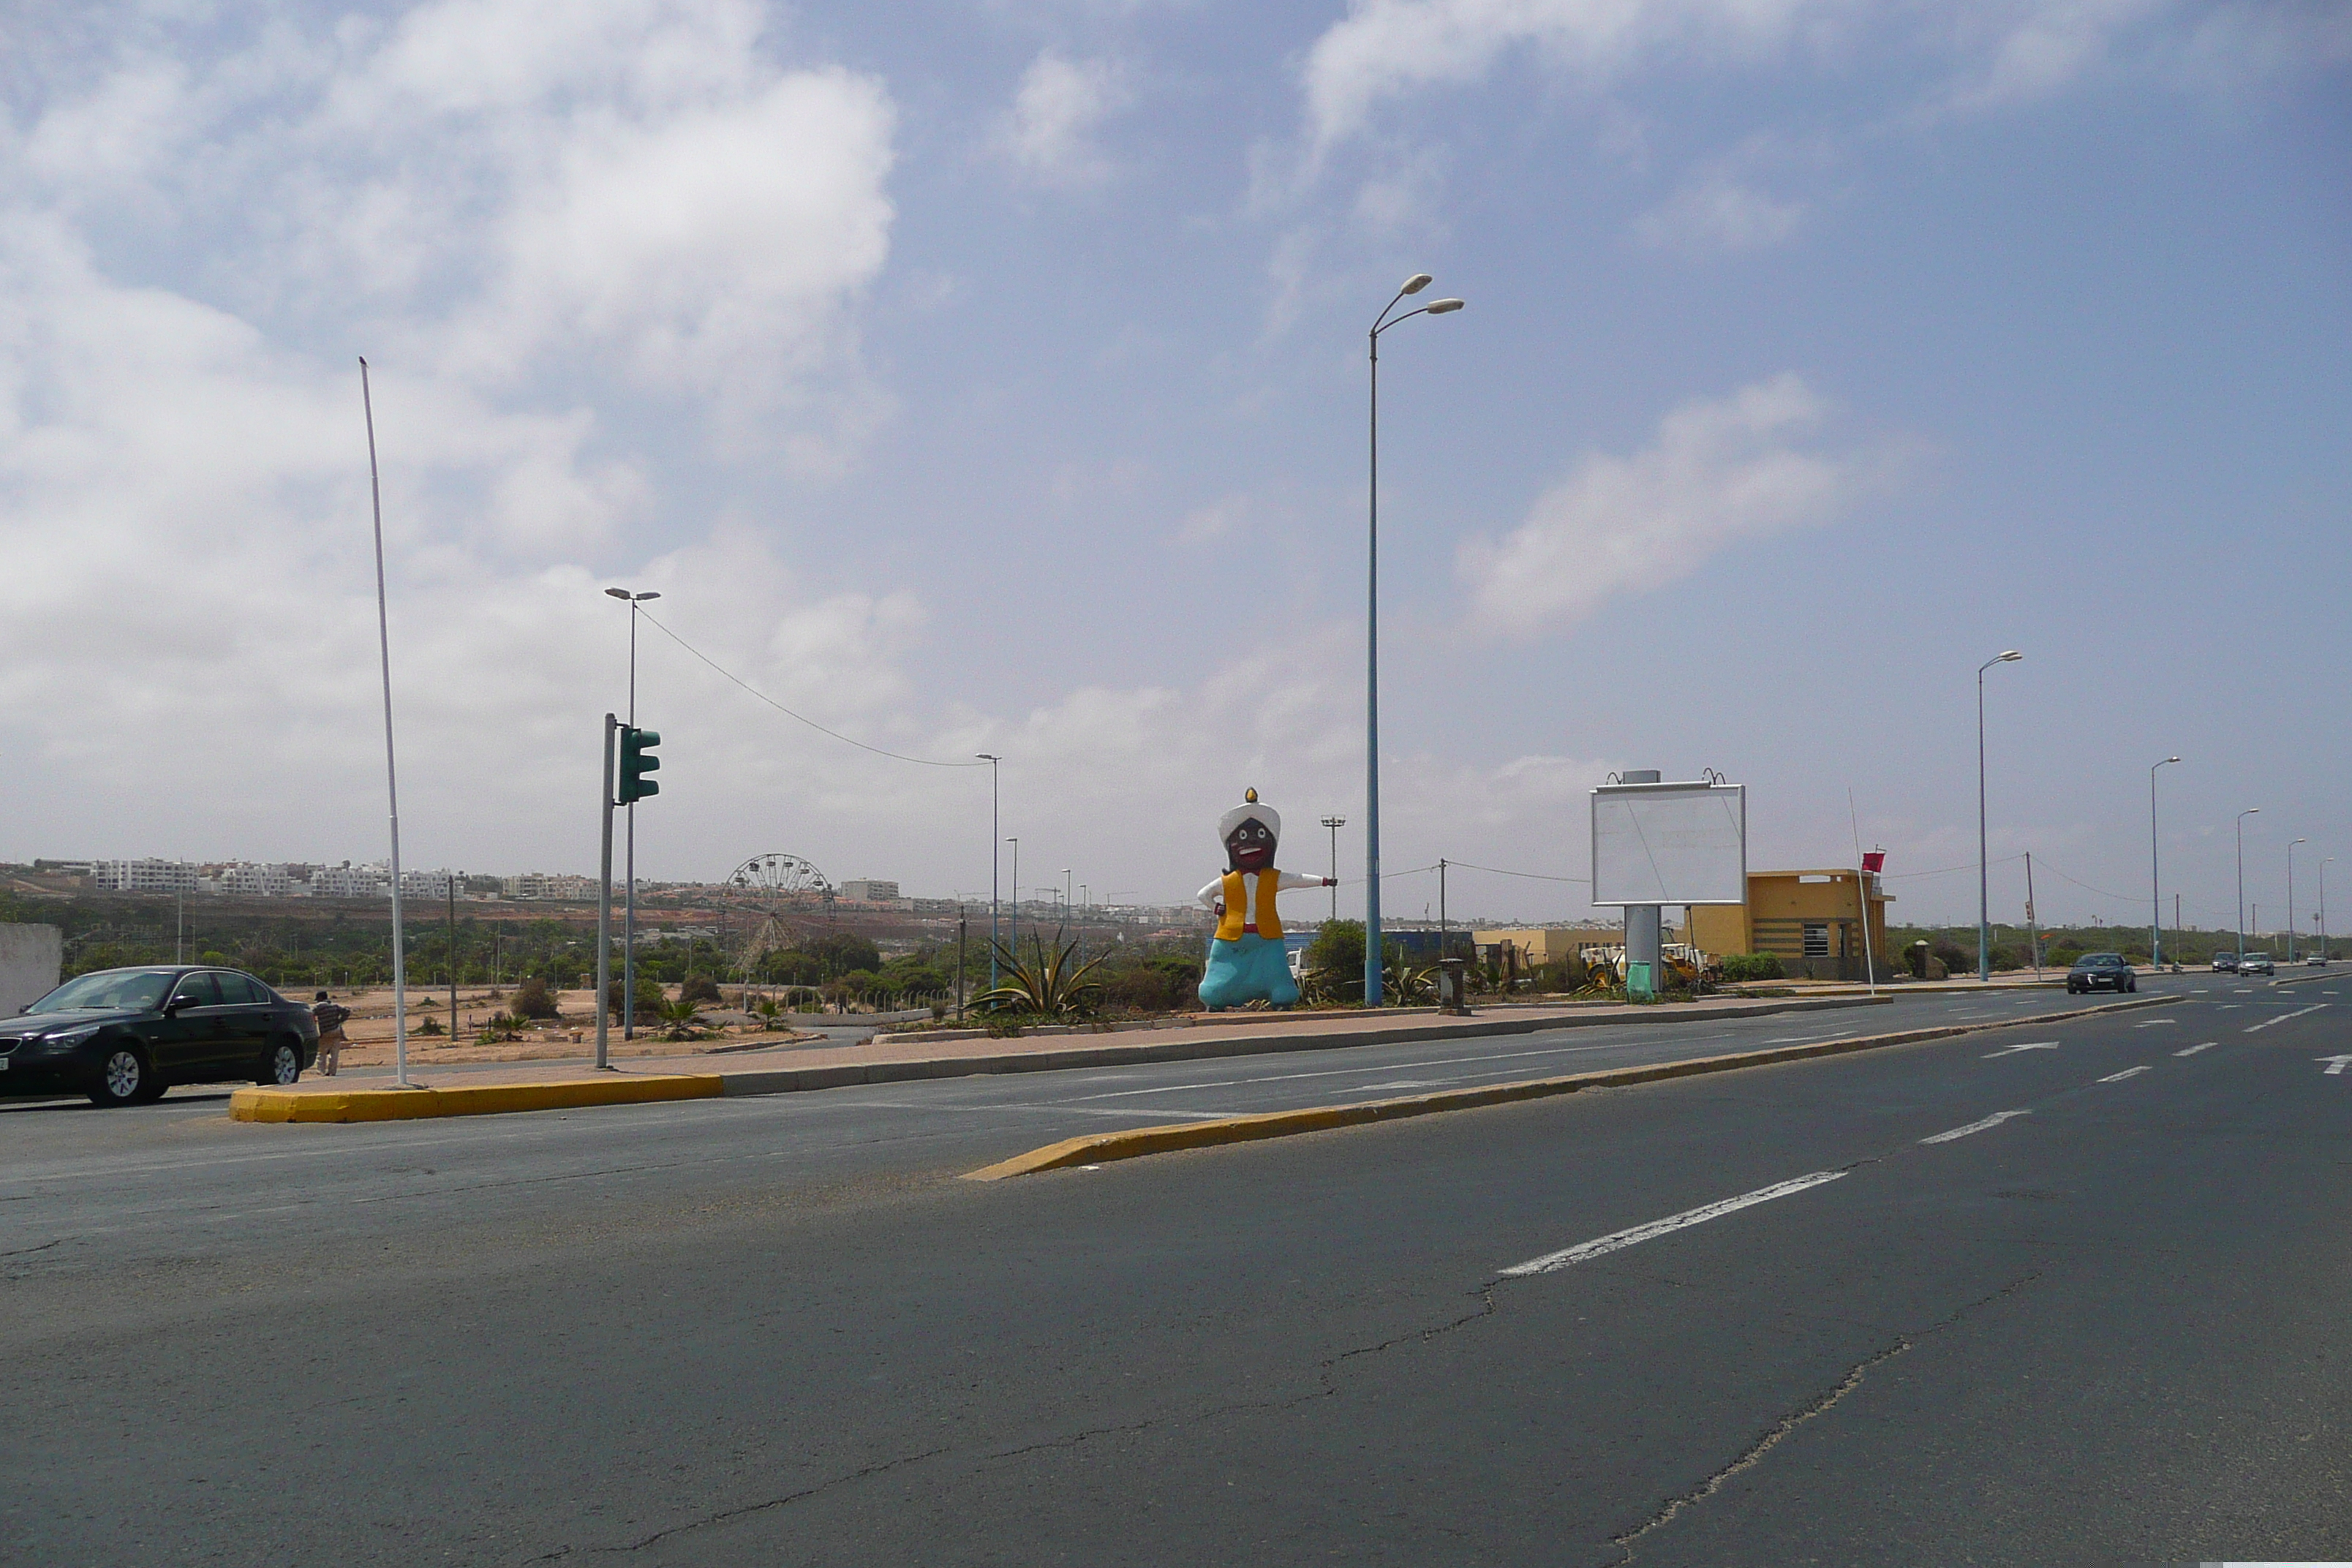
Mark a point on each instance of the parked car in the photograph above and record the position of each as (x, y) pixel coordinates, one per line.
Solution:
(2314, 961)
(2225, 964)
(2257, 963)
(125, 1036)
(2102, 971)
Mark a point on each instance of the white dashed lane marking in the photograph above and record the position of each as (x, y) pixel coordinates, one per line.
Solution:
(2202, 1046)
(2128, 1073)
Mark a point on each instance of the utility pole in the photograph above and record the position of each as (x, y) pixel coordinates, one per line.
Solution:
(962, 935)
(2032, 922)
(450, 885)
(2290, 897)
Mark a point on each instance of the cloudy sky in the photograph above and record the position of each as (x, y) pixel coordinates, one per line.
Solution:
(990, 377)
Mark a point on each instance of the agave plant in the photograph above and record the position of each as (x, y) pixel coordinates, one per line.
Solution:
(1049, 984)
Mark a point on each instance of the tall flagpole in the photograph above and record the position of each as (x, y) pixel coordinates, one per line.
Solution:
(391, 774)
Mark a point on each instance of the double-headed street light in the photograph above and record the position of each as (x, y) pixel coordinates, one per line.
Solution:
(2289, 896)
(1372, 992)
(2155, 879)
(2249, 811)
(2323, 906)
(1335, 823)
(629, 909)
(1984, 879)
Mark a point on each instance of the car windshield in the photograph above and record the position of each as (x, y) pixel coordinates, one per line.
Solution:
(141, 990)
(2098, 960)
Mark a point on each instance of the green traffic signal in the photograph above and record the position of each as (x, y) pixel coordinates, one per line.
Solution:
(637, 759)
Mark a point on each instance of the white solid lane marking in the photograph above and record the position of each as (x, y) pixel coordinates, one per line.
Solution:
(2335, 1064)
(2193, 1050)
(2027, 1045)
(2128, 1073)
(2152, 1023)
(1614, 1240)
(2282, 1017)
(1995, 1119)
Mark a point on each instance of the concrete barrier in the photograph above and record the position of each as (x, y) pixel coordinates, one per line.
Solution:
(31, 958)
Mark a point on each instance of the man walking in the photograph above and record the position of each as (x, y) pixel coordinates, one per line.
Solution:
(330, 1033)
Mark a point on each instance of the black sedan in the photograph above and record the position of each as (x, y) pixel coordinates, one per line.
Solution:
(2098, 971)
(122, 1036)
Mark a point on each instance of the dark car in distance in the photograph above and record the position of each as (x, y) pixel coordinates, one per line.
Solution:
(2096, 971)
(125, 1036)
(2225, 964)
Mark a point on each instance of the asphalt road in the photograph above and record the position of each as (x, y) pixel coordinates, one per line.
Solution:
(2105, 1327)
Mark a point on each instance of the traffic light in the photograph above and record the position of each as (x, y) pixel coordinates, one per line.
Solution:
(637, 759)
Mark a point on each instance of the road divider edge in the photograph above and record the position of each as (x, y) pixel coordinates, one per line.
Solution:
(281, 1105)
(1100, 1148)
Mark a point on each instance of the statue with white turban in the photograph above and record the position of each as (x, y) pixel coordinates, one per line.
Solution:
(1248, 961)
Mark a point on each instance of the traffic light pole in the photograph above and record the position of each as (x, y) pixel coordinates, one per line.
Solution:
(605, 904)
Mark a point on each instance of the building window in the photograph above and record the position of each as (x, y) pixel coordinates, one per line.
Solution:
(1817, 939)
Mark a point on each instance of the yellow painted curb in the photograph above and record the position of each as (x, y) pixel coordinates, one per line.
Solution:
(486, 1099)
(1100, 1148)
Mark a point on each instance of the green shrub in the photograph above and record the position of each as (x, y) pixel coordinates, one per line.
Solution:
(533, 999)
(1741, 966)
(699, 988)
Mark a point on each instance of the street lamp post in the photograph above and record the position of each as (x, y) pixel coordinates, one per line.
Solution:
(1984, 879)
(2249, 811)
(1065, 895)
(2155, 879)
(629, 908)
(1335, 823)
(994, 855)
(2289, 896)
(1015, 842)
(1372, 992)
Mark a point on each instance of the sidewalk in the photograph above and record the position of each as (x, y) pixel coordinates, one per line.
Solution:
(368, 1096)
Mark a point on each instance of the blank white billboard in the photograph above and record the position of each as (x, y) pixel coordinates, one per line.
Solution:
(1670, 844)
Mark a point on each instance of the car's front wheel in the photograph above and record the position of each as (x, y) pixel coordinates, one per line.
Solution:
(283, 1065)
(125, 1077)
(2133, 984)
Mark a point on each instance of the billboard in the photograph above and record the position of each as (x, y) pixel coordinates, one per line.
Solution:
(1670, 844)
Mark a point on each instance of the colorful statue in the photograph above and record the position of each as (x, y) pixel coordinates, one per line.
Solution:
(1247, 960)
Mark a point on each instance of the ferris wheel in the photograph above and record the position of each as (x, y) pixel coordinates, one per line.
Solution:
(772, 892)
(785, 880)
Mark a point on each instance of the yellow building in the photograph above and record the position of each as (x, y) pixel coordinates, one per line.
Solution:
(1813, 920)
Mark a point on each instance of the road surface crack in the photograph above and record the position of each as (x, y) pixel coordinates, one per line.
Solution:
(727, 1515)
(26, 1251)
(1753, 1455)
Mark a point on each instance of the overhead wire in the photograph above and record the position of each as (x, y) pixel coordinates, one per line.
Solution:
(802, 717)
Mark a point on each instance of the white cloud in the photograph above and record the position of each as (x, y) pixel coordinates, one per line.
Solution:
(1386, 48)
(1718, 212)
(1048, 133)
(1992, 51)
(1720, 472)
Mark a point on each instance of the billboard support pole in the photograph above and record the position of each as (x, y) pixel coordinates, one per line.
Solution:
(1645, 952)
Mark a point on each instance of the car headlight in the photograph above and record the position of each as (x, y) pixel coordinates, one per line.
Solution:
(65, 1039)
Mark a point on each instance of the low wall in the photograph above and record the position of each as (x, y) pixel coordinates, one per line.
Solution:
(30, 959)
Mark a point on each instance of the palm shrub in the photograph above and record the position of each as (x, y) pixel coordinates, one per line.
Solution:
(1049, 984)
(680, 1020)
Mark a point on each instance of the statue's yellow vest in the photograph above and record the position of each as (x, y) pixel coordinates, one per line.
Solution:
(1268, 923)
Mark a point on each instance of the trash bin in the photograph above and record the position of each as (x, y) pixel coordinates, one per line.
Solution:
(1451, 995)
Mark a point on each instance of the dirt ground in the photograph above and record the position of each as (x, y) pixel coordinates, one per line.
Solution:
(370, 1030)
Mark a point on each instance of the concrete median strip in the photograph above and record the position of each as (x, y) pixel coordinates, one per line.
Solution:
(484, 1100)
(1100, 1148)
